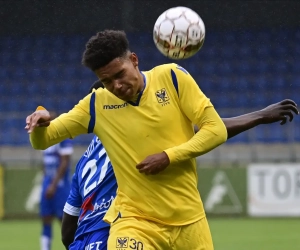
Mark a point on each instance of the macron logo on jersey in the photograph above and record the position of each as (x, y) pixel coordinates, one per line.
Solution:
(115, 106)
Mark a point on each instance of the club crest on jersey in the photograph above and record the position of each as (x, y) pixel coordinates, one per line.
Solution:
(162, 97)
(122, 242)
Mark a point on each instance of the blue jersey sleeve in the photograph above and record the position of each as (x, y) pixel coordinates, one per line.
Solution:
(74, 201)
(66, 147)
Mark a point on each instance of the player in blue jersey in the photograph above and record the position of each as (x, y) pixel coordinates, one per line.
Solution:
(55, 188)
(92, 192)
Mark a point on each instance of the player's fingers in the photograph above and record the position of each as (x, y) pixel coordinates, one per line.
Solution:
(147, 169)
(140, 165)
(283, 120)
(288, 101)
(291, 107)
(28, 121)
(288, 114)
(34, 120)
(144, 170)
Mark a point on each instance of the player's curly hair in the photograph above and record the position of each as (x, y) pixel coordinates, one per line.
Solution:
(104, 47)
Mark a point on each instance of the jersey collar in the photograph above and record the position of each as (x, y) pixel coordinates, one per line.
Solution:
(137, 102)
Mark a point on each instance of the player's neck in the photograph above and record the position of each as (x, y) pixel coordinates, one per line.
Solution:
(140, 88)
(141, 83)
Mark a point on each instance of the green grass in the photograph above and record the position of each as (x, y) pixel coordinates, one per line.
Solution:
(25, 235)
(255, 234)
(228, 234)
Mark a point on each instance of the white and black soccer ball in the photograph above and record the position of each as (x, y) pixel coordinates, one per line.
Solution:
(179, 33)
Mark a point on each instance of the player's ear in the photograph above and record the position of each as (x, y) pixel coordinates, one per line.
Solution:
(134, 59)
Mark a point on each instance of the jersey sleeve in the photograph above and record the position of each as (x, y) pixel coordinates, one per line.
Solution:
(200, 111)
(74, 201)
(66, 147)
(79, 120)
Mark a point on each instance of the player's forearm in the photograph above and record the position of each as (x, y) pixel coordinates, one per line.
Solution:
(44, 137)
(212, 133)
(239, 124)
(68, 229)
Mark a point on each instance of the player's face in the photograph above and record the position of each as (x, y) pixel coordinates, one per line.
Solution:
(122, 77)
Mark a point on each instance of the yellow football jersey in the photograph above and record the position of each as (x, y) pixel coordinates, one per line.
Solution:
(161, 119)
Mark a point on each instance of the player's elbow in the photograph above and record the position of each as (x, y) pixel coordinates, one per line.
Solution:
(222, 133)
(67, 237)
(66, 240)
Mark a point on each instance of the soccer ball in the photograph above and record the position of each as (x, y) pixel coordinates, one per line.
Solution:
(179, 33)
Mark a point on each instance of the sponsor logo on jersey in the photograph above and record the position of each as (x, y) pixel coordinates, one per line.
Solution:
(115, 106)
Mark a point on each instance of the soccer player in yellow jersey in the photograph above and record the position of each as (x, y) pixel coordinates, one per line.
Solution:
(145, 121)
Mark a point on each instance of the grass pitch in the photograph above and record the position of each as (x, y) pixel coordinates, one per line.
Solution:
(228, 234)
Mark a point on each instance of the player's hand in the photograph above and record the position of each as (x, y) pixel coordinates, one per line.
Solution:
(50, 191)
(154, 164)
(39, 118)
(281, 111)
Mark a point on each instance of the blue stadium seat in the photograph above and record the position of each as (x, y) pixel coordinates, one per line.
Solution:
(295, 66)
(69, 73)
(23, 57)
(242, 67)
(241, 100)
(4, 74)
(260, 66)
(39, 56)
(263, 51)
(224, 68)
(273, 133)
(240, 138)
(33, 88)
(52, 73)
(244, 51)
(243, 84)
(263, 37)
(6, 58)
(296, 130)
(276, 96)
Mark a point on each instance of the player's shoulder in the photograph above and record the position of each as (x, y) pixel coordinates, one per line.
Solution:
(168, 68)
(103, 96)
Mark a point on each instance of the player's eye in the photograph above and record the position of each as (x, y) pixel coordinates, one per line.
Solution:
(106, 82)
(120, 74)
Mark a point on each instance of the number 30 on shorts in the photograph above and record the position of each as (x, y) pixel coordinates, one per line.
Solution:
(125, 243)
(134, 244)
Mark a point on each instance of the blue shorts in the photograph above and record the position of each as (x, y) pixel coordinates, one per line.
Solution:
(55, 205)
(96, 240)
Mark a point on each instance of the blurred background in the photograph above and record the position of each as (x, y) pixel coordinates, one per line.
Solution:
(249, 60)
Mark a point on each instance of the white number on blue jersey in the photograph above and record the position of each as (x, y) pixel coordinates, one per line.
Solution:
(92, 166)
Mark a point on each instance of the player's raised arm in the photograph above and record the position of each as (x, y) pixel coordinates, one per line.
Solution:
(45, 133)
(198, 108)
(281, 111)
(278, 112)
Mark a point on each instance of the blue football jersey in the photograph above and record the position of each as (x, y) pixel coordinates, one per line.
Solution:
(52, 157)
(93, 189)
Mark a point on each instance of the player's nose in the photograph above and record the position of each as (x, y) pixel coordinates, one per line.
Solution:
(117, 85)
